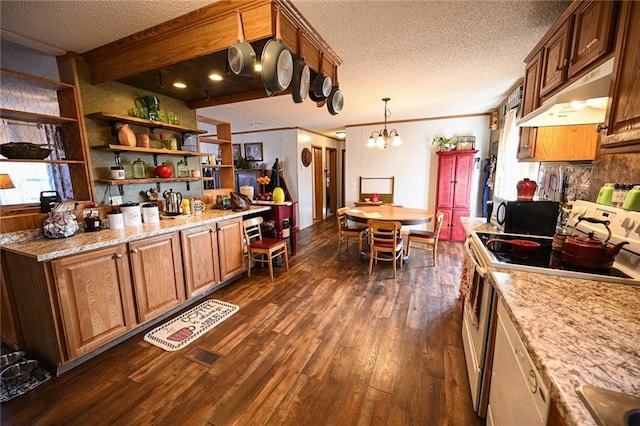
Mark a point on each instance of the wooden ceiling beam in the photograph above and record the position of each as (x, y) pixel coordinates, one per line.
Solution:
(204, 31)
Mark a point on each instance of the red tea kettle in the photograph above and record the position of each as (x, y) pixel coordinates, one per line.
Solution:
(590, 252)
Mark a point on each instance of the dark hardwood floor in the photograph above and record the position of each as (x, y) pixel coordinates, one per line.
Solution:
(325, 344)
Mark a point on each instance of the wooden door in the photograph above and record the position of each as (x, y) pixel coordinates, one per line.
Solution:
(592, 34)
(445, 232)
(446, 177)
(457, 230)
(343, 159)
(318, 183)
(554, 59)
(156, 264)
(200, 259)
(332, 180)
(462, 181)
(623, 115)
(95, 297)
(230, 248)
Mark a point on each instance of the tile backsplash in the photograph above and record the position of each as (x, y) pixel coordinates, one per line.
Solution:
(614, 168)
(564, 181)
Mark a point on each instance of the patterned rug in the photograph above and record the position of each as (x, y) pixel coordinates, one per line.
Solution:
(184, 329)
(11, 388)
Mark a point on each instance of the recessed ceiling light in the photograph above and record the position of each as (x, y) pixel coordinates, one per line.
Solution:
(215, 77)
(179, 85)
(257, 67)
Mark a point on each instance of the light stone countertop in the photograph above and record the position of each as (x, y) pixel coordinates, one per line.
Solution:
(43, 249)
(577, 332)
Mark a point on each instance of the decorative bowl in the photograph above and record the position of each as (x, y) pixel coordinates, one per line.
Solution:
(24, 151)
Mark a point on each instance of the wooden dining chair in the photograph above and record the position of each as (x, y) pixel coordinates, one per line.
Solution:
(263, 250)
(347, 231)
(426, 240)
(385, 243)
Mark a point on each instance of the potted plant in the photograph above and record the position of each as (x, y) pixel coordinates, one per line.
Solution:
(444, 144)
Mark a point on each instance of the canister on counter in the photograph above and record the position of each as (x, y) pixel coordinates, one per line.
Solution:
(150, 213)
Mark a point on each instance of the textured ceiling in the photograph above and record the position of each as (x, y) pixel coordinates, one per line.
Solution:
(432, 58)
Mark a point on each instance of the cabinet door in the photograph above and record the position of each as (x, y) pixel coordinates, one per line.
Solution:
(200, 259)
(94, 292)
(158, 281)
(554, 58)
(447, 224)
(592, 34)
(462, 181)
(230, 248)
(446, 177)
(530, 101)
(623, 115)
(457, 230)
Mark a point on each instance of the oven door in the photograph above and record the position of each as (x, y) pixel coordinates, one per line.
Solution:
(475, 330)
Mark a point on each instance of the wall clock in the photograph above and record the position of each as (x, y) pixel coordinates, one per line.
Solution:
(306, 157)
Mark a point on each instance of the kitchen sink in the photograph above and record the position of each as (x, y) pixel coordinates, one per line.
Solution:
(610, 408)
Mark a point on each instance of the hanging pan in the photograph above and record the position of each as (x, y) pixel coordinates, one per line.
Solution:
(301, 76)
(241, 56)
(335, 101)
(321, 84)
(277, 63)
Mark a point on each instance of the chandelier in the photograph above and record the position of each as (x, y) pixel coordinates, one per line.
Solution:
(381, 138)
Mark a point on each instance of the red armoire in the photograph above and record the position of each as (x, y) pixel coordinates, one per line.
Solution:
(453, 192)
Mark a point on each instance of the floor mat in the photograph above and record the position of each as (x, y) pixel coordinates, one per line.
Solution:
(11, 388)
(184, 329)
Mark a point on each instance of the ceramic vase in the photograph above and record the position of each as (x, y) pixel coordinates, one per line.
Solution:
(126, 136)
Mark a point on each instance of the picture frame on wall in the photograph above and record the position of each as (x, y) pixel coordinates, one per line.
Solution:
(236, 151)
(253, 151)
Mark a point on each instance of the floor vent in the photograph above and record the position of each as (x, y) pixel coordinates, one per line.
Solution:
(202, 356)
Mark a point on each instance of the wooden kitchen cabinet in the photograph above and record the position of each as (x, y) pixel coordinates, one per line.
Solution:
(200, 259)
(455, 169)
(622, 131)
(158, 280)
(530, 101)
(230, 248)
(95, 298)
(554, 58)
(592, 34)
(562, 143)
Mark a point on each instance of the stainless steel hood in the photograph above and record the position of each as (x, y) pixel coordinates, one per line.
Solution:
(582, 102)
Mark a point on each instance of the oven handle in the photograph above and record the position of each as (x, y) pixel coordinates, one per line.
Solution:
(481, 271)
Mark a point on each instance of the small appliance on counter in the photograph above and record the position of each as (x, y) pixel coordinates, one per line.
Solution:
(525, 216)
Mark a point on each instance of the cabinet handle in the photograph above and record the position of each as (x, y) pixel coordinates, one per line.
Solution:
(119, 256)
(533, 382)
(559, 68)
(601, 127)
(134, 251)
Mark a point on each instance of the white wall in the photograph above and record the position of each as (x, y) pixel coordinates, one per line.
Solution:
(414, 163)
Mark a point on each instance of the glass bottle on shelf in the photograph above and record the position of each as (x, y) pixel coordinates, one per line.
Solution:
(182, 169)
(139, 169)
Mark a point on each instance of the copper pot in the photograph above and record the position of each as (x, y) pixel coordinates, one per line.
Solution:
(590, 252)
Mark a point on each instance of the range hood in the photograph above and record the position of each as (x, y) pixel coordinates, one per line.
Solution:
(582, 102)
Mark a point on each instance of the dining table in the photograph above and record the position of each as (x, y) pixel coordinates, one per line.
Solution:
(404, 215)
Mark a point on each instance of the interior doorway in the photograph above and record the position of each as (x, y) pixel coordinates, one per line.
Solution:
(342, 177)
(318, 183)
(332, 180)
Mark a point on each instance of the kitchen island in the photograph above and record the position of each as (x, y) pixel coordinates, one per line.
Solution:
(577, 332)
(79, 296)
